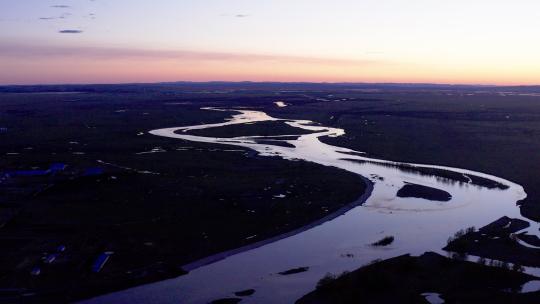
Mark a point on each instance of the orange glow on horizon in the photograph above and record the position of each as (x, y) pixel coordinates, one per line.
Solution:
(457, 42)
(77, 70)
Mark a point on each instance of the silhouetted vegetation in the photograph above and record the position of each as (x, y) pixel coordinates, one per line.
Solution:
(326, 280)
(244, 293)
(403, 279)
(294, 271)
(457, 240)
(385, 241)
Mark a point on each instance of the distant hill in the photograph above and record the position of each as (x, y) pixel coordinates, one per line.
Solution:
(218, 85)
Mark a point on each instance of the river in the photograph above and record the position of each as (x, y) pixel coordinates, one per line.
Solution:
(343, 241)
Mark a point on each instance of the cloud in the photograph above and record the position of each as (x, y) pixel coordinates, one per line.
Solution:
(63, 16)
(31, 52)
(235, 15)
(70, 31)
(60, 6)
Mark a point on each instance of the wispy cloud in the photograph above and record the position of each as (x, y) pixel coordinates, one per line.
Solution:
(60, 6)
(98, 53)
(63, 16)
(236, 15)
(70, 32)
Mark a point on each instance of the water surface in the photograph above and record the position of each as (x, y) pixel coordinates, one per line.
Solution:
(343, 243)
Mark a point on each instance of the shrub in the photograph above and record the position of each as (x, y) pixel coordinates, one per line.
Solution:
(459, 234)
(470, 230)
(518, 267)
(459, 256)
(387, 240)
(343, 274)
(514, 238)
(327, 279)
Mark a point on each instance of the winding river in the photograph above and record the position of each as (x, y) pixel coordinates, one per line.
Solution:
(342, 241)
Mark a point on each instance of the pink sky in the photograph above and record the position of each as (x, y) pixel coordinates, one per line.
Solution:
(480, 42)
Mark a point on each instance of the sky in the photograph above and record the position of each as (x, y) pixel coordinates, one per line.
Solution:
(118, 41)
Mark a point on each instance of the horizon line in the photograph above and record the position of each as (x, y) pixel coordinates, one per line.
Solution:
(274, 82)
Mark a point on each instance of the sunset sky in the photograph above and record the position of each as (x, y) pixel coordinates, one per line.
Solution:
(114, 41)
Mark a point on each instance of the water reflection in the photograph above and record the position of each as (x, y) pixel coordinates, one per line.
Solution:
(343, 243)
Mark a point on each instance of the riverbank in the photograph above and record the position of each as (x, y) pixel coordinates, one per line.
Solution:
(158, 205)
(216, 257)
(429, 278)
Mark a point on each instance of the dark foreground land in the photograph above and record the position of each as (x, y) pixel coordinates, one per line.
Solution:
(407, 279)
(115, 216)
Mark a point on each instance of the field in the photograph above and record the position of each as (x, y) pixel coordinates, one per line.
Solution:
(153, 204)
